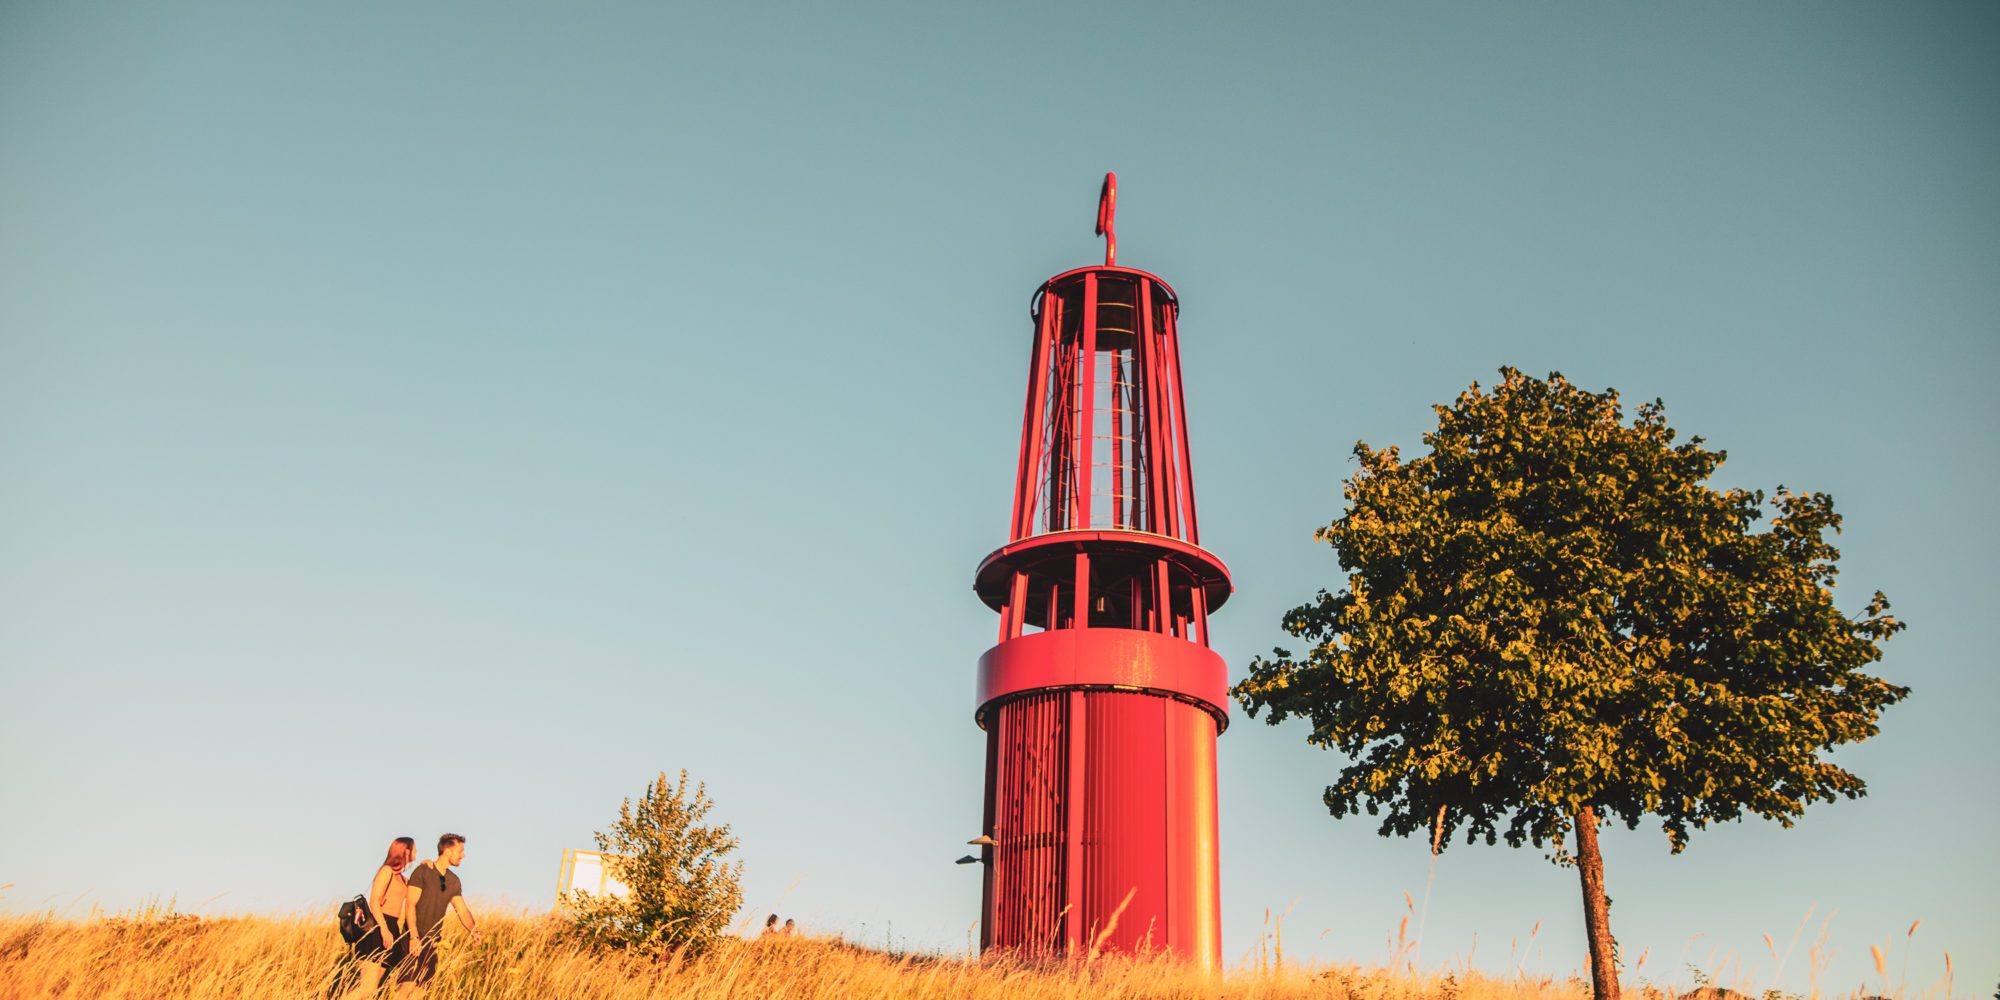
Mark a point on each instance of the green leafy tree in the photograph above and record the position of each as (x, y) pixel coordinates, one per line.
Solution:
(681, 890)
(1552, 619)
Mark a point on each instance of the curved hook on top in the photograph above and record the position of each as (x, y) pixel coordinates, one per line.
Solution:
(1107, 218)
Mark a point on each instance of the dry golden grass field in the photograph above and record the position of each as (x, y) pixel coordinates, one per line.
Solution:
(159, 955)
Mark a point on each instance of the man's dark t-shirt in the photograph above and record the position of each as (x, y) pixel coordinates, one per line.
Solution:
(438, 892)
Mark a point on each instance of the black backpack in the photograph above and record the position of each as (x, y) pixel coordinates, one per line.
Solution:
(356, 919)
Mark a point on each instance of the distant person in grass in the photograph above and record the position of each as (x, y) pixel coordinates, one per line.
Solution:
(385, 947)
(434, 888)
(791, 928)
(771, 925)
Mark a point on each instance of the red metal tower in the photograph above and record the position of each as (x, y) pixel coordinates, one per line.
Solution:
(1102, 701)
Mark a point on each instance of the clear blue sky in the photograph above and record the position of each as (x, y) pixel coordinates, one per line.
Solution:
(446, 416)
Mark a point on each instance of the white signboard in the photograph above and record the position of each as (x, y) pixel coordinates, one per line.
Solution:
(587, 871)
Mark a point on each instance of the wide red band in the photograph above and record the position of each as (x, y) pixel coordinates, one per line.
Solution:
(1116, 658)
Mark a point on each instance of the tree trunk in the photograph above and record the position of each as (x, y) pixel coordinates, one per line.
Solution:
(1596, 909)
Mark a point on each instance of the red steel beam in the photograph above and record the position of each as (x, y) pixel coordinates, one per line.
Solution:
(1086, 379)
(1027, 479)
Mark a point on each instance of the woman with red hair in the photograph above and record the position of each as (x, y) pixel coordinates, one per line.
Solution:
(384, 947)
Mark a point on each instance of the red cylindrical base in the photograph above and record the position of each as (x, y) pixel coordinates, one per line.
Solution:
(1102, 806)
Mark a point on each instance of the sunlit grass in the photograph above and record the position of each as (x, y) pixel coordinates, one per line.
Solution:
(164, 955)
(158, 954)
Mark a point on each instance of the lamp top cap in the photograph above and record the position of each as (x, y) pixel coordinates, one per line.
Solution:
(1107, 227)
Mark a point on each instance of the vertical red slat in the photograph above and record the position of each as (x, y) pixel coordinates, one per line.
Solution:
(1005, 829)
(1016, 613)
(1058, 774)
(1028, 805)
(1059, 797)
(1127, 860)
(1199, 598)
(1029, 827)
(1157, 474)
(1086, 385)
(1073, 800)
(1055, 451)
(1058, 373)
(1205, 896)
(1117, 363)
(1185, 469)
(1178, 817)
(1032, 856)
(1027, 486)
(1041, 821)
(1032, 768)
(989, 854)
(1100, 818)
(1169, 519)
(1049, 850)
(1081, 613)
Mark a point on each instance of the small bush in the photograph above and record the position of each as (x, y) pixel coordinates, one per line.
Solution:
(681, 890)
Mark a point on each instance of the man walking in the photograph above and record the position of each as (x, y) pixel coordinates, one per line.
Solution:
(434, 888)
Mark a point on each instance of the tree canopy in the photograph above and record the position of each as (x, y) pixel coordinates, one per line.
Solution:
(1554, 617)
(1553, 609)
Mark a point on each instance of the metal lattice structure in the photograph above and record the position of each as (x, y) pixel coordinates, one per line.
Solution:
(1102, 700)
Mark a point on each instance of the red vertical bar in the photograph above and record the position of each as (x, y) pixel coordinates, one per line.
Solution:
(1128, 854)
(1058, 413)
(1162, 428)
(1206, 947)
(1086, 400)
(1049, 454)
(1016, 613)
(989, 854)
(1027, 485)
(1055, 449)
(1196, 906)
(1186, 469)
(1054, 776)
(1128, 439)
(1031, 820)
(1100, 828)
(1027, 878)
(1147, 345)
(1073, 803)
(1163, 586)
(1080, 609)
(1000, 907)
(1175, 522)
(1034, 820)
(1198, 598)
(1037, 892)
(1178, 862)
(1021, 785)
(1117, 496)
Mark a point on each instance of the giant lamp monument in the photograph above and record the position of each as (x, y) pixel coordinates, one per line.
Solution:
(1102, 701)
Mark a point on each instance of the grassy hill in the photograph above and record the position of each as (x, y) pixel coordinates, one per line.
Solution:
(154, 956)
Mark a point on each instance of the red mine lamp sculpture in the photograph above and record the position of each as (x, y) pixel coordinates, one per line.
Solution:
(1102, 701)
